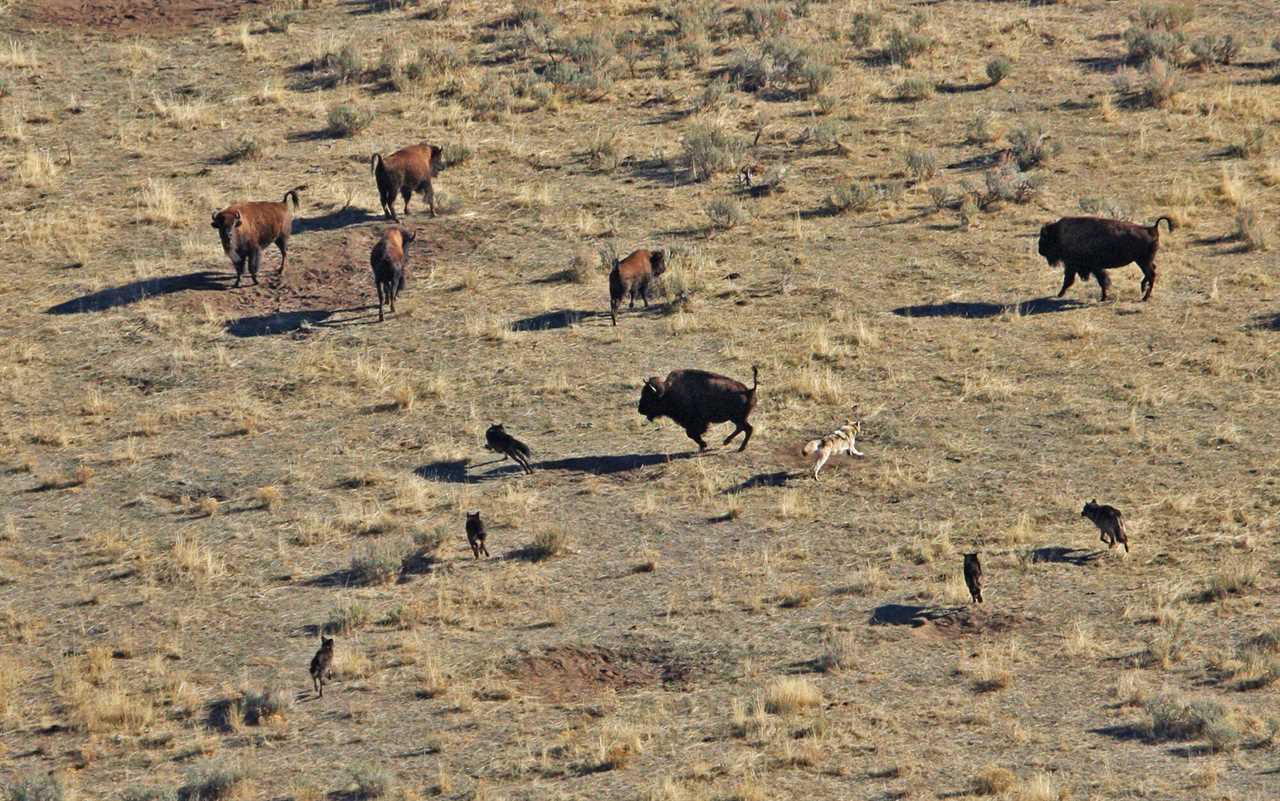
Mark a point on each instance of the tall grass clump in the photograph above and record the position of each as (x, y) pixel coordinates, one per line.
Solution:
(347, 120)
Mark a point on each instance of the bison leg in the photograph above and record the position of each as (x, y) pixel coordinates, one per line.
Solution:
(1148, 277)
(378, 285)
(239, 265)
(255, 259)
(1104, 283)
(1068, 278)
(283, 244)
(747, 428)
(430, 194)
(695, 431)
(407, 194)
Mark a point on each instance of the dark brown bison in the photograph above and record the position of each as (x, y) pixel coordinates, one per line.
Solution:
(1087, 246)
(247, 228)
(404, 172)
(388, 260)
(694, 399)
(632, 276)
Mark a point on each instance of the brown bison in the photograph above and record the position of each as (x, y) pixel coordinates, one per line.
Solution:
(388, 260)
(404, 172)
(1087, 246)
(694, 399)
(631, 277)
(247, 228)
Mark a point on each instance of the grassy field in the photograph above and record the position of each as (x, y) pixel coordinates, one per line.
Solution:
(196, 481)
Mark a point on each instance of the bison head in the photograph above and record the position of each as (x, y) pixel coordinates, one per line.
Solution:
(437, 158)
(652, 398)
(1048, 246)
(658, 262)
(1089, 507)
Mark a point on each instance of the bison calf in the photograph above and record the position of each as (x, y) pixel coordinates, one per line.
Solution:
(1087, 246)
(247, 228)
(694, 399)
(388, 260)
(631, 277)
(404, 172)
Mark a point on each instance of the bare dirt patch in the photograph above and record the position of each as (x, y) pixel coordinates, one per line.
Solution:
(566, 672)
(156, 17)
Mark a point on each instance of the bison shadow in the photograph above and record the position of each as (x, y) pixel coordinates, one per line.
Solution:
(1058, 554)
(263, 325)
(907, 615)
(553, 320)
(982, 310)
(1269, 322)
(334, 220)
(455, 471)
(204, 281)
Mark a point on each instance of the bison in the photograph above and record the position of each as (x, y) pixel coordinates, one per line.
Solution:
(388, 260)
(404, 172)
(631, 277)
(247, 228)
(1087, 246)
(694, 399)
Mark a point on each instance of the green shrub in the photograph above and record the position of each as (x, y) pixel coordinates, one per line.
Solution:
(903, 47)
(602, 151)
(35, 787)
(347, 120)
(1144, 45)
(1032, 146)
(921, 164)
(1252, 144)
(725, 213)
(211, 781)
(455, 153)
(763, 20)
(1155, 85)
(280, 22)
(371, 781)
(260, 706)
(998, 69)
(913, 89)
(246, 149)
(1173, 718)
(493, 99)
(376, 564)
(347, 618)
(857, 197)
(862, 29)
(709, 149)
(1166, 17)
(346, 65)
(826, 103)
(1207, 51)
(693, 19)
(1105, 207)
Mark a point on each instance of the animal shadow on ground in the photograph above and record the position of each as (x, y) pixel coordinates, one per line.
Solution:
(553, 320)
(1063, 555)
(333, 220)
(204, 281)
(261, 325)
(455, 471)
(1269, 322)
(981, 310)
(778, 479)
(908, 615)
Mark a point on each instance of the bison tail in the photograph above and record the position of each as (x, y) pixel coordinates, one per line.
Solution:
(294, 193)
(375, 161)
(755, 377)
(811, 447)
(1155, 226)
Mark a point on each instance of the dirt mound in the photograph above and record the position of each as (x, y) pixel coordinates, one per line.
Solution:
(927, 621)
(570, 672)
(157, 17)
